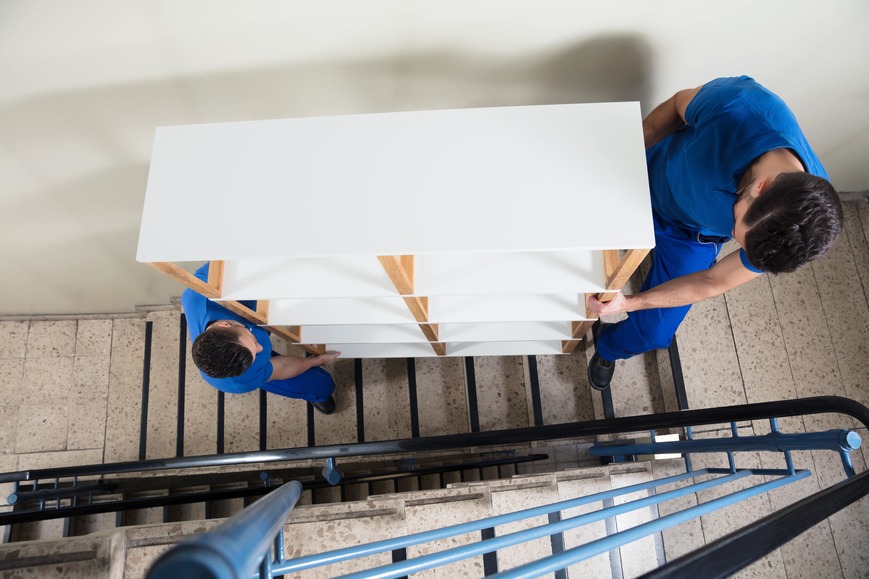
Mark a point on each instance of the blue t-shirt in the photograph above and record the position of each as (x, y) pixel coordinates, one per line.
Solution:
(200, 312)
(730, 122)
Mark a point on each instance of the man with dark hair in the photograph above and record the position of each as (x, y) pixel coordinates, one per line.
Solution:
(235, 356)
(725, 160)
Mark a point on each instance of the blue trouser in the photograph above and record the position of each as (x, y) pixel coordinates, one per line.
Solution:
(314, 385)
(677, 252)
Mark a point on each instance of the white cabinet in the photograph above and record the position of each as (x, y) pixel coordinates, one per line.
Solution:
(455, 232)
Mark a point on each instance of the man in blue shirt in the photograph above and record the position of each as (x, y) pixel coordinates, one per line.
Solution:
(235, 356)
(725, 160)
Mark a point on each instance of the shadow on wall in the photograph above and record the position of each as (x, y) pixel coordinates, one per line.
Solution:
(85, 153)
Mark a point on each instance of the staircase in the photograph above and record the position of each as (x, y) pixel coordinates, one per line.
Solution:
(111, 389)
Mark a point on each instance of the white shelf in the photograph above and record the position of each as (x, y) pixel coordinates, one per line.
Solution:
(453, 333)
(506, 213)
(442, 274)
(509, 308)
(452, 350)
(530, 178)
(332, 311)
(329, 277)
(505, 331)
(363, 334)
(442, 309)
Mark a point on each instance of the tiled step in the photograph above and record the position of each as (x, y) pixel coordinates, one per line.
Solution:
(96, 555)
(646, 553)
(577, 484)
(344, 525)
(162, 429)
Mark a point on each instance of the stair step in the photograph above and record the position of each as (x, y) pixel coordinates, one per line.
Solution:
(571, 488)
(163, 384)
(523, 494)
(317, 528)
(429, 515)
(38, 530)
(646, 553)
(97, 555)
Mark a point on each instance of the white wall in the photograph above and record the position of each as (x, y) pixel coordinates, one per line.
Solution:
(83, 85)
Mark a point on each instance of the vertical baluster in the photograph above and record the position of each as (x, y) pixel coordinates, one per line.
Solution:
(789, 461)
(280, 555)
(734, 432)
(689, 435)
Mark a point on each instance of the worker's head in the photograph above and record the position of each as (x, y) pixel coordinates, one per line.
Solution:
(225, 349)
(786, 222)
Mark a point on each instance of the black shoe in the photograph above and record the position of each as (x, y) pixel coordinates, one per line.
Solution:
(600, 372)
(326, 406)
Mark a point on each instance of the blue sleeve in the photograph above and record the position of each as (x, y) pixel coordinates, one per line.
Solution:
(202, 272)
(254, 377)
(744, 258)
(714, 95)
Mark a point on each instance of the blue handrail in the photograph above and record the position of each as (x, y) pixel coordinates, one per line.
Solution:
(458, 553)
(837, 440)
(338, 555)
(238, 547)
(235, 548)
(566, 558)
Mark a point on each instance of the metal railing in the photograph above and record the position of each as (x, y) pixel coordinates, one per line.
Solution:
(59, 493)
(763, 535)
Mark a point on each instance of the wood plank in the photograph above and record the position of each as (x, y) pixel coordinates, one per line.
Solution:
(430, 331)
(399, 268)
(578, 331)
(262, 308)
(407, 263)
(418, 306)
(568, 346)
(245, 312)
(619, 271)
(291, 334)
(215, 275)
(185, 278)
(611, 260)
(260, 317)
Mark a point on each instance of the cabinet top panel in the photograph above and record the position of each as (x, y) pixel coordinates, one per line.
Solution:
(529, 178)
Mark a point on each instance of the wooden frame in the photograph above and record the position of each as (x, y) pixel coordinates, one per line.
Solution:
(212, 290)
(399, 268)
(617, 270)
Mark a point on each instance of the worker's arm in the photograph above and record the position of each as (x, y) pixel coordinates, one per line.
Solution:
(284, 367)
(681, 291)
(668, 117)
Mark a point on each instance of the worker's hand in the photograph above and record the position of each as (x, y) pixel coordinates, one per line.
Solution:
(616, 306)
(326, 357)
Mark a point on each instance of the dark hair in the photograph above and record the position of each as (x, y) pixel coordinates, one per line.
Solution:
(795, 220)
(219, 354)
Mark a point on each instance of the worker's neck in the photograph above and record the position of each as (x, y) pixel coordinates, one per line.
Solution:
(770, 165)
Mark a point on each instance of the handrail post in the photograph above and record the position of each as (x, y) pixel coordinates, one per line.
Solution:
(330, 472)
(234, 549)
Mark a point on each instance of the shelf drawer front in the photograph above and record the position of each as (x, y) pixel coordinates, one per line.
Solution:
(442, 309)
(452, 349)
(411, 333)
